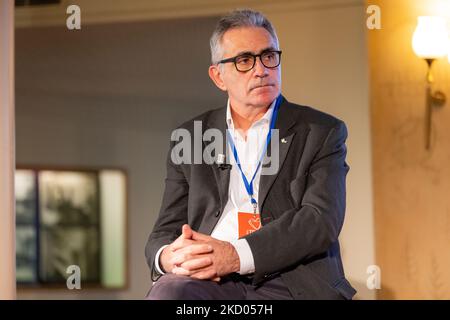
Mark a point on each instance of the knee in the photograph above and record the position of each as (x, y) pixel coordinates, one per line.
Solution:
(173, 287)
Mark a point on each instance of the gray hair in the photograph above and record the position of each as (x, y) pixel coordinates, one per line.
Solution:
(238, 19)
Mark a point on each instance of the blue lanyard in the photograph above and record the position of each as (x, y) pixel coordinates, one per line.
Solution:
(249, 185)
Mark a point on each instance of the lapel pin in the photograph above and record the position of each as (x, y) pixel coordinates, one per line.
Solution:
(220, 158)
(283, 140)
(221, 162)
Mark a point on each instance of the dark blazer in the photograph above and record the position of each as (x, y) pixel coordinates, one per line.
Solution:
(302, 206)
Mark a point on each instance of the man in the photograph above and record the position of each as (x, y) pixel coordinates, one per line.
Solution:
(233, 232)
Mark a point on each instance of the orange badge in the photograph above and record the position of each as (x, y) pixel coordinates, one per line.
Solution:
(248, 223)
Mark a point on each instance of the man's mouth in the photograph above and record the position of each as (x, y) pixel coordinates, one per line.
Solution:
(262, 86)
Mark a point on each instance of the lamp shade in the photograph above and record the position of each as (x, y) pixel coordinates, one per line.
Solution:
(448, 51)
(430, 39)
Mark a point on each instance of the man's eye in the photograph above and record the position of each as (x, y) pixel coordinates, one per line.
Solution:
(269, 56)
(244, 60)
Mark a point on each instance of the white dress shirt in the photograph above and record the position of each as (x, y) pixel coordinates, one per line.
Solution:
(249, 153)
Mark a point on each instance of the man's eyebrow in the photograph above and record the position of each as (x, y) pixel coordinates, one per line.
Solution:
(249, 52)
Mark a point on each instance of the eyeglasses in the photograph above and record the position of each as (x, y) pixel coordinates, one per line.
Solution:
(245, 62)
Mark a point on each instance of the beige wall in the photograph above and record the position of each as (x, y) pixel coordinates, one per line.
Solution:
(412, 207)
(324, 65)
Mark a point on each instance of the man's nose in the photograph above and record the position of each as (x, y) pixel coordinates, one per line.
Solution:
(260, 69)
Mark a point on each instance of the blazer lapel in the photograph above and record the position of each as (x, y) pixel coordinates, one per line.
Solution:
(283, 123)
(217, 120)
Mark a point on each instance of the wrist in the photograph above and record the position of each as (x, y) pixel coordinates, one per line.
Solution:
(164, 260)
(235, 260)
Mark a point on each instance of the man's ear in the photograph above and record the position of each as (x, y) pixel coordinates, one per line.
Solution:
(216, 76)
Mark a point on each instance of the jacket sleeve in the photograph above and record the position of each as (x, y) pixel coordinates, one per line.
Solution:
(299, 234)
(172, 215)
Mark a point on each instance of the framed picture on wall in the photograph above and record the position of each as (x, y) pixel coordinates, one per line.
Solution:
(69, 224)
(26, 255)
(26, 233)
(71, 217)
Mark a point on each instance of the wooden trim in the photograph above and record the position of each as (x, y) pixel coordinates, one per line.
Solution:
(7, 153)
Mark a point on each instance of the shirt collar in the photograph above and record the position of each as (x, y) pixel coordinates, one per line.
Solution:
(265, 118)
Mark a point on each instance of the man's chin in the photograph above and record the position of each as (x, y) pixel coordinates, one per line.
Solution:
(265, 99)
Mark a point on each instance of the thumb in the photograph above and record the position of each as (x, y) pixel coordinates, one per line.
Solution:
(199, 236)
(186, 231)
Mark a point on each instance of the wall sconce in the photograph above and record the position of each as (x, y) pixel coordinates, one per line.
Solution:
(430, 42)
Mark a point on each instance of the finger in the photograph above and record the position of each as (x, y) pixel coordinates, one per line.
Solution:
(186, 231)
(181, 272)
(181, 243)
(216, 279)
(207, 274)
(196, 248)
(178, 259)
(196, 264)
(200, 236)
(190, 252)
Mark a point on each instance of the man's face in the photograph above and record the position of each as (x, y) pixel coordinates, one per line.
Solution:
(257, 87)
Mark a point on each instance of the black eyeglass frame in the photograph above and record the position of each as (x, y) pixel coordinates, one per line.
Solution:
(233, 59)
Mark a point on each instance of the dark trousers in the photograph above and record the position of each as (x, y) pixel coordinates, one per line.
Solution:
(233, 287)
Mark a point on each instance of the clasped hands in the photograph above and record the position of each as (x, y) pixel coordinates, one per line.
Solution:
(199, 256)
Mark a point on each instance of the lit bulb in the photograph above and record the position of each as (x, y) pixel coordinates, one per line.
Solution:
(430, 39)
(448, 50)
